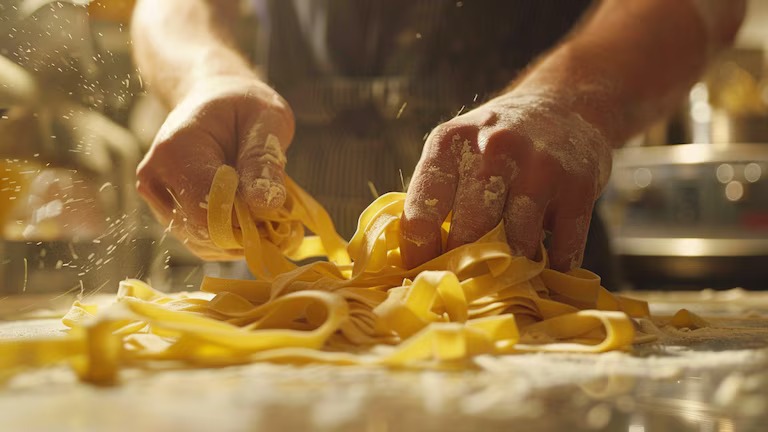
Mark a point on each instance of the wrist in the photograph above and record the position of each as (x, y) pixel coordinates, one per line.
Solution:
(211, 66)
(583, 89)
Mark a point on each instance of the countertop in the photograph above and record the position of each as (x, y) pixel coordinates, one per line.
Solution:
(711, 379)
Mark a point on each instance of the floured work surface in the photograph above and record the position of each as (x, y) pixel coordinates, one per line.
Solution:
(712, 378)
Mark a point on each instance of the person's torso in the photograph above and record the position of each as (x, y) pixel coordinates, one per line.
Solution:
(328, 57)
(368, 79)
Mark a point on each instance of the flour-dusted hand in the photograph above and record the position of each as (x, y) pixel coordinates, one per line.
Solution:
(525, 159)
(222, 120)
(538, 156)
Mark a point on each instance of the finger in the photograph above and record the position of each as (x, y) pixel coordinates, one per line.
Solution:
(209, 252)
(190, 184)
(430, 197)
(528, 198)
(570, 226)
(261, 162)
(429, 200)
(168, 213)
(484, 177)
(524, 211)
(523, 225)
(479, 203)
(149, 190)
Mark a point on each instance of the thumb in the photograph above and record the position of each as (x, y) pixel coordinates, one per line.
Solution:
(261, 166)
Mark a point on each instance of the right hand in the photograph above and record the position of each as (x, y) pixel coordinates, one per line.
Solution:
(529, 161)
(223, 120)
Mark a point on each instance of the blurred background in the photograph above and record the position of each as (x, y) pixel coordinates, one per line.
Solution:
(74, 123)
(688, 199)
(687, 206)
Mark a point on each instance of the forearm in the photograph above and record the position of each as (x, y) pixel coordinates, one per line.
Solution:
(633, 61)
(178, 43)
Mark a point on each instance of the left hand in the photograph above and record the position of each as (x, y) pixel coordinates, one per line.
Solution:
(221, 120)
(524, 159)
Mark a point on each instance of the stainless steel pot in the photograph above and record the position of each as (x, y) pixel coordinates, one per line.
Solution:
(691, 214)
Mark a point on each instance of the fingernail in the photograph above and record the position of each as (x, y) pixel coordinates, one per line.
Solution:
(419, 243)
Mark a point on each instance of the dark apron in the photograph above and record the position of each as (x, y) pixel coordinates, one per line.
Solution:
(368, 79)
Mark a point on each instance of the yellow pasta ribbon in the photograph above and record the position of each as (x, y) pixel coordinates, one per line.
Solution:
(359, 307)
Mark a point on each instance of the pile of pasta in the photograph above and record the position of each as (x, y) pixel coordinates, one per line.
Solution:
(360, 307)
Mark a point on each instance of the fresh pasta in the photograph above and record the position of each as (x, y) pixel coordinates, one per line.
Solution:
(360, 307)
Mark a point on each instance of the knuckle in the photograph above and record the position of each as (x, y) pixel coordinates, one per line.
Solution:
(262, 156)
(440, 131)
(419, 229)
(499, 141)
(264, 143)
(433, 179)
(277, 117)
(286, 116)
(167, 146)
(165, 134)
(500, 148)
(421, 211)
(452, 136)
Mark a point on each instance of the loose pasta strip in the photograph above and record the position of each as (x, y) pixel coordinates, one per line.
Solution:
(359, 307)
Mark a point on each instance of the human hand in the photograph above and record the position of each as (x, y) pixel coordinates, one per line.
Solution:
(525, 159)
(223, 120)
